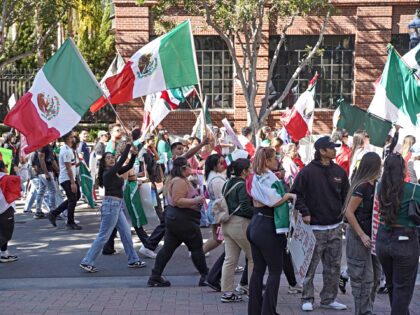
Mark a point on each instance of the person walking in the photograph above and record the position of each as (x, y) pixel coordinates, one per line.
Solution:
(267, 246)
(112, 209)
(397, 245)
(67, 179)
(363, 268)
(182, 224)
(234, 231)
(321, 188)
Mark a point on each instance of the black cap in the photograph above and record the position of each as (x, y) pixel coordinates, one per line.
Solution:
(325, 143)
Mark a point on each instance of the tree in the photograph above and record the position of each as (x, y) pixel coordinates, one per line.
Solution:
(241, 22)
(26, 27)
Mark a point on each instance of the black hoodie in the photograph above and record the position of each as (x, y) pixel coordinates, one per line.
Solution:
(321, 191)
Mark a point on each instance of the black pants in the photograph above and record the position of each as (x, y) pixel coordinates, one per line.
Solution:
(109, 247)
(7, 224)
(69, 203)
(267, 251)
(398, 252)
(182, 226)
(215, 273)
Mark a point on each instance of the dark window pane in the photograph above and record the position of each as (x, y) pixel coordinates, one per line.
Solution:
(217, 72)
(207, 57)
(218, 58)
(217, 86)
(207, 72)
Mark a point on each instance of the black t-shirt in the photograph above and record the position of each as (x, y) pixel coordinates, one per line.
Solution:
(49, 158)
(363, 213)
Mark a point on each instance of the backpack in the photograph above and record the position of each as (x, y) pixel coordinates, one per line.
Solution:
(220, 207)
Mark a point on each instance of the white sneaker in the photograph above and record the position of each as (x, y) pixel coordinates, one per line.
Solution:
(147, 252)
(335, 306)
(242, 289)
(294, 290)
(307, 306)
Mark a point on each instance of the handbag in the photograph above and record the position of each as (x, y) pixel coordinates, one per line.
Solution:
(414, 209)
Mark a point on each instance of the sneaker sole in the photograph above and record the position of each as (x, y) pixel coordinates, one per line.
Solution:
(137, 266)
(333, 308)
(231, 301)
(87, 269)
(158, 285)
(4, 261)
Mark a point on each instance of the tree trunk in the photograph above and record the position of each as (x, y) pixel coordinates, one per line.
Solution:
(39, 30)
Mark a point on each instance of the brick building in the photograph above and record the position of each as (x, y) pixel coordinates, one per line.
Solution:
(354, 52)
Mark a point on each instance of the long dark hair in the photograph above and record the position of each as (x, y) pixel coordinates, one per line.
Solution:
(211, 163)
(237, 167)
(392, 185)
(368, 170)
(101, 169)
(179, 164)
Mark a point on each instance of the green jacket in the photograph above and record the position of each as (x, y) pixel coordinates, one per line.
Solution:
(238, 196)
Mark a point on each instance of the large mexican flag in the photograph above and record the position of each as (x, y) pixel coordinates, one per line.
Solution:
(165, 63)
(62, 92)
(397, 96)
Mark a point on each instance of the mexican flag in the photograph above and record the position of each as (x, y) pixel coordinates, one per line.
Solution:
(203, 123)
(397, 97)
(268, 190)
(159, 105)
(165, 63)
(9, 190)
(86, 184)
(298, 121)
(133, 202)
(62, 91)
(116, 67)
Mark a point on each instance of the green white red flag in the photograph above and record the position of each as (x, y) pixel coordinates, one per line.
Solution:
(62, 92)
(158, 105)
(298, 121)
(397, 97)
(165, 63)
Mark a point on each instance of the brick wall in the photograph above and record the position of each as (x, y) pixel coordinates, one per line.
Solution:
(372, 22)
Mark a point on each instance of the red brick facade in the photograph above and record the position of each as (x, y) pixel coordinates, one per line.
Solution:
(373, 22)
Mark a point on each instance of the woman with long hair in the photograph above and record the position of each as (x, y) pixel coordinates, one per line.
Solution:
(182, 224)
(397, 245)
(363, 268)
(290, 168)
(359, 148)
(267, 246)
(112, 209)
(408, 142)
(214, 174)
(234, 230)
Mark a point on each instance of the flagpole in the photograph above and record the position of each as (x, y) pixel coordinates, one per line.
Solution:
(195, 62)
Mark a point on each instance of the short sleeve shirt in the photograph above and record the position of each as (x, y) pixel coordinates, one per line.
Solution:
(66, 156)
(363, 213)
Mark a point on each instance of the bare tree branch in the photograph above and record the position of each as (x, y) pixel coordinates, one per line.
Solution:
(273, 64)
(298, 70)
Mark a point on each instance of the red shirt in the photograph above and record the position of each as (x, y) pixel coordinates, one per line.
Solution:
(343, 158)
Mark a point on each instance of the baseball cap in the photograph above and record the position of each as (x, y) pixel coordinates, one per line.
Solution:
(325, 143)
(237, 154)
(102, 133)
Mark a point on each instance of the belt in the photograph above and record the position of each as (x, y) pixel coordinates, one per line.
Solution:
(264, 215)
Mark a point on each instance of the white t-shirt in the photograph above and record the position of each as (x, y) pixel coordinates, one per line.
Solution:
(66, 156)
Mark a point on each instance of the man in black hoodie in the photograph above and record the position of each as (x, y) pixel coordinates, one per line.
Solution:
(321, 188)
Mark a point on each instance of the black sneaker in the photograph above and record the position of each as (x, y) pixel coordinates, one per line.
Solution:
(158, 281)
(202, 281)
(52, 218)
(39, 215)
(342, 284)
(8, 258)
(88, 268)
(229, 298)
(383, 290)
(137, 264)
(73, 226)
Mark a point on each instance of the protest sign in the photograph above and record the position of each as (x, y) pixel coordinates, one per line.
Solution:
(232, 134)
(301, 245)
(6, 155)
(375, 220)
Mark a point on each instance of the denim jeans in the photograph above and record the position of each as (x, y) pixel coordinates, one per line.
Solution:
(364, 270)
(398, 252)
(45, 185)
(112, 215)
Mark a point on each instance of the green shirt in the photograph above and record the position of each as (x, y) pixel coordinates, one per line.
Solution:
(164, 147)
(403, 218)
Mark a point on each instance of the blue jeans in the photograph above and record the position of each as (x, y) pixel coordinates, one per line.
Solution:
(112, 215)
(45, 185)
(31, 195)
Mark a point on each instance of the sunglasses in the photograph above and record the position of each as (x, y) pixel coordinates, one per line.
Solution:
(186, 166)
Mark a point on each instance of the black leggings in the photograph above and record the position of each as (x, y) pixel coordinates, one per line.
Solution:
(267, 251)
(7, 224)
(182, 226)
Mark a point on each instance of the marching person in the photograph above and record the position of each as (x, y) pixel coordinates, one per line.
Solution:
(363, 268)
(321, 188)
(68, 180)
(112, 209)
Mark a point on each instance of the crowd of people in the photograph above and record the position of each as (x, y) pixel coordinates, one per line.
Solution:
(192, 179)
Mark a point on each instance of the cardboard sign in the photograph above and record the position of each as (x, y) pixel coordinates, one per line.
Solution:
(375, 220)
(232, 134)
(301, 245)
